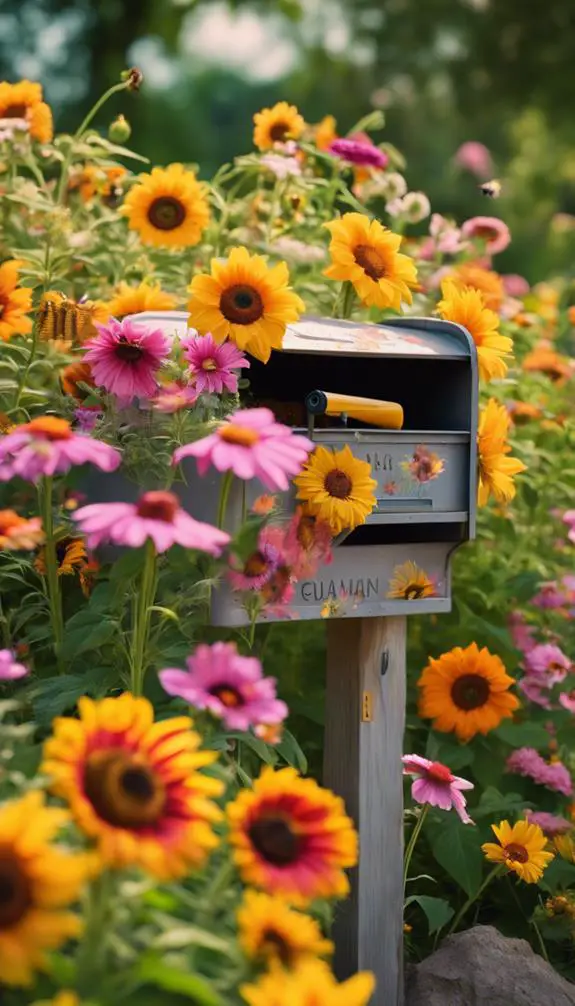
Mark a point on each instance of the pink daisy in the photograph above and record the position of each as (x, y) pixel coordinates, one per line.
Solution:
(474, 157)
(125, 359)
(232, 687)
(359, 152)
(549, 596)
(173, 397)
(547, 662)
(260, 566)
(434, 784)
(10, 670)
(515, 285)
(48, 446)
(550, 824)
(156, 515)
(554, 775)
(213, 365)
(251, 445)
(492, 230)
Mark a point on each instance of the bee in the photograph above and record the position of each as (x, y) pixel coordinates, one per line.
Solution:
(491, 189)
(59, 317)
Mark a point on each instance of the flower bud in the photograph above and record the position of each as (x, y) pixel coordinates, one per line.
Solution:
(134, 78)
(119, 131)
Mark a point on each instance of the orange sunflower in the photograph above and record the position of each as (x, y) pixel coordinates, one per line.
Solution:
(365, 253)
(544, 360)
(134, 785)
(276, 125)
(15, 302)
(128, 299)
(292, 838)
(486, 281)
(73, 376)
(495, 468)
(19, 533)
(466, 307)
(269, 930)
(466, 691)
(24, 101)
(168, 207)
(310, 984)
(96, 180)
(325, 132)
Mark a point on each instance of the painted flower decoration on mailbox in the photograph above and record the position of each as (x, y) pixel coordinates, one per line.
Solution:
(410, 583)
(338, 488)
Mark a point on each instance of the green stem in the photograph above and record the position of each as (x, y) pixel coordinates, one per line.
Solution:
(91, 960)
(224, 497)
(346, 301)
(61, 191)
(45, 493)
(412, 843)
(142, 617)
(495, 872)
(26, 370)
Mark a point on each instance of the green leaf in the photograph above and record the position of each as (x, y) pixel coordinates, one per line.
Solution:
(519, 735)
(457, 849)
(55, 696)
(559, 875)
(290, 751)
(84, 639)
(255, 745)
(246, 540)
(151, 969)
(493, 802)
(455, 756)
(128, 566)
(438, 911)
(178, 937)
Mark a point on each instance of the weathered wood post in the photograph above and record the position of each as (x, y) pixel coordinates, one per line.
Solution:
(397, 564)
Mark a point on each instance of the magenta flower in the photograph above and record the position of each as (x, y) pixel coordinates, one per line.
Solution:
(567, 700)
(434, 784)
(521, 633)
(251, 445)
(554, 775)
(125, 358)
(550, 824)
(547, 662)
(260, 566)
(87, 418)
(156, 515)
(536, 691)
(232, 687)
(173, 397)
(10, 669)
(549, 596)
(359, 152)
(213, 366)
(569, 518)
(48, 446)
(493, 231)
(515, 285)
(307, 544)
(474, 157)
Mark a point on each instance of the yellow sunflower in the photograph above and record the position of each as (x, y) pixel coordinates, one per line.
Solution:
(486, 281)
(292, 838)
(311, 984)
(135, 785)
(70, 553)
(466, 307)
(15, 302)
(410, 583)
(246, 300)
(24, 101)
(565, 846)
(521, 848)
(496, 469)
(545, 360)
(68, 322)
(276, 125)
(128, 299)
(325, 132)
(466, 691)
(168, 207)
(367, 254)
(63, 998)
(337, 488)
(38, 882)
(269, 930)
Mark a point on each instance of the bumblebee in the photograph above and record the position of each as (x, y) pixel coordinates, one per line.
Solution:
(491, 189)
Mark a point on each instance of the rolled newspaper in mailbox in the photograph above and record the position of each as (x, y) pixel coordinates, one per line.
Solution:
(385, 415)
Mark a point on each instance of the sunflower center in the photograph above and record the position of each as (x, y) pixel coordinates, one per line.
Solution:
(338, 484)
(15, 893)
(439, 772)
(276, 943)
(516, 853)
(413, 591)
(17, 111)
(49, 427)
(122, 791)
(166, 213)
(128, 352)
(209, 364)
(228, 696)
(243, 436)
(256, 564)
(241, 304)
(470, 691)
(275, 841)
(158, 506)
(372, 263)
(61, 548)
(279, 131)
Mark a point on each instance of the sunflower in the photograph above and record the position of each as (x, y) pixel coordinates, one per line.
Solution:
(521, 849)
(24, 101)
(128, 299)
(496, 470)
(311, 984)
(523, 412)
(486, 281)
(466, 691)
(37, 882)
(72, 322)
(466, 307)
(410, 583)
(168, 207)
(366, 254)
(135, 785)
(337, 488)
(565, 846)
(325, 132)
(72, 376)
(63, 998)
(70, 553)
(246, 300)
(15, 302)
(544, 360)
(269, 930)
(276, 125)
(292, 838)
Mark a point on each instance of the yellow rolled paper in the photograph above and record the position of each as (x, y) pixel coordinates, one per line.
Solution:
(385, 415)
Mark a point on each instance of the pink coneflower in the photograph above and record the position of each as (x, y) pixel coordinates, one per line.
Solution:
(554, 775)
(213, 365)
(492, 230)
(173, 397)
(125, 358)
(567, 700)
(156, 515)
(569, 518)
(515, 285)
(307, 544)
(434, 784)
(474, 157)
(550, 824)
(279, 590)
(365, 154)
(251, 445)
(521, 633)
(549, 596)
(10, 669)
(536, 691)
(260, 566)
(548, 662)
(48, 446)
(232, 687)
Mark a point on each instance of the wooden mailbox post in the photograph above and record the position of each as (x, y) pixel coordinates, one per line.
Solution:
(426, 491)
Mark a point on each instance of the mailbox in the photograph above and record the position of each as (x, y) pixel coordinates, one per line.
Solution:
(398, 562)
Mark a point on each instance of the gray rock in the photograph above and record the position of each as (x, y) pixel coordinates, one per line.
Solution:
(480, 967)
